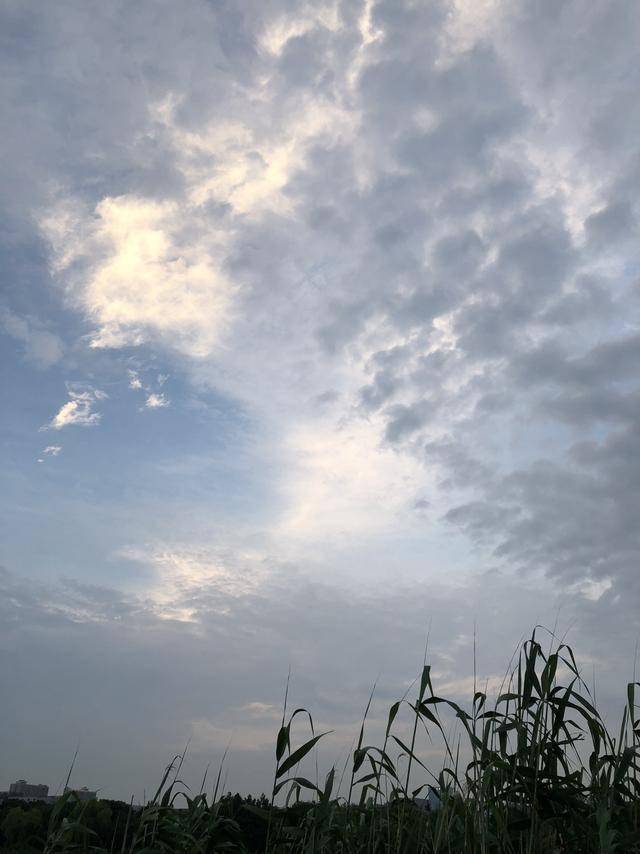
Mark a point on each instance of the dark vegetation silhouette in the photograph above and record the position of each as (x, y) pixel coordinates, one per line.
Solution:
(533, 771)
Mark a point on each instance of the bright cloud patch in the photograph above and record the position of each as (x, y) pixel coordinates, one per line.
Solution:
(180, 572)
(78, 410)
(343, 483)
(156, 401)
(148, 269)
(134, 380)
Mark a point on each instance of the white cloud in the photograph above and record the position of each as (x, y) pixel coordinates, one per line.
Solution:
(281, 29)
(78, 409)
(50, 451)
(180, 570)
(143, 269)
(257, 709)
(469, 22)
(341, 483)
(157, 401)
(134, 380)
(151, 269)
(593, 590)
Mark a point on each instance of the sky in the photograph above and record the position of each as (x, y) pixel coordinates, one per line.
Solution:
(319, 333)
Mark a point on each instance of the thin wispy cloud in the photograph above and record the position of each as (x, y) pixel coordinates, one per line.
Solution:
(49, 451)
(40, 346)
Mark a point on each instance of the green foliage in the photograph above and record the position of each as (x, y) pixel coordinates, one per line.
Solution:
(21, 827)
(535, 771)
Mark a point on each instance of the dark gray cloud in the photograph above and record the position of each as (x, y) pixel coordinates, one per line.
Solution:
(541, 314)
(573, 519)
(404, 421)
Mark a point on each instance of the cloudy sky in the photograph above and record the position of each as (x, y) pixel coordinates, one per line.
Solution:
(320, 325)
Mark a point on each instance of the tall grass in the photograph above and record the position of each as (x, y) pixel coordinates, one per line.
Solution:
(533, 770)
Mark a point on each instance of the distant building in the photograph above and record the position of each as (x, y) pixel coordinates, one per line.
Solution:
(28, 791)
(82, 794)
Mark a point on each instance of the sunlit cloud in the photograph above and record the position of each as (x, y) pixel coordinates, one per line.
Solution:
(150, 269)
(157, 401)
(342, 483)
(282, 28)
(134, 380)
(182, 571)
(78, 410)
